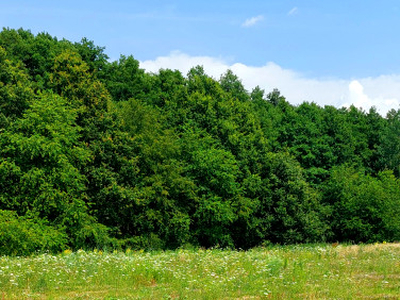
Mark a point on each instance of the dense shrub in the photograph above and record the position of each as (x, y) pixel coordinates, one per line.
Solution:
(24, 236)
(364, 208)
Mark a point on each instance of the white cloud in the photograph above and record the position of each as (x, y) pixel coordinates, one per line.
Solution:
(383, 92)
(379, 98)
(293, 11)
(183, 62)
(252, 21)
(357, 97)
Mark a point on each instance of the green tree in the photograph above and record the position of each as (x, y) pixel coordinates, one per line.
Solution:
(159, 192)
(15, 89)
(215, 173)
(364, 208)
(290, 210)
(389, 143)
(124, 79)
(41, 157)
(231, 84)
(92, 55)
(35, 53)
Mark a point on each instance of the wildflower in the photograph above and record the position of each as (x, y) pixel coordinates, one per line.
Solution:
(67, 251)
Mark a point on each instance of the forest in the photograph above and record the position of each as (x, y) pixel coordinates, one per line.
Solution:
(99, 154)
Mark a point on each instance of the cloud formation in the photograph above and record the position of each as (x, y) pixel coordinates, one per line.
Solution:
(252, 21)
(383, 92)
(379, 98)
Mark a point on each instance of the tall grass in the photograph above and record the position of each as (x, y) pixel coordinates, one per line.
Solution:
(308, 271)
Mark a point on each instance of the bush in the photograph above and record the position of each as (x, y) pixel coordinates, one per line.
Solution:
(364, 208)
(24, 236)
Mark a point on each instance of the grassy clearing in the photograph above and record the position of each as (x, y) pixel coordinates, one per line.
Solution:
(316, 271)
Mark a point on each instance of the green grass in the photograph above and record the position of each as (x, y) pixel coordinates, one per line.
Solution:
(295, 272)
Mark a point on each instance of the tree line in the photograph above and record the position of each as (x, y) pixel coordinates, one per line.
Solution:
(100, 154)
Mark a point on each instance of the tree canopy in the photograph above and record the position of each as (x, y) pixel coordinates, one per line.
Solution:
(99, 153)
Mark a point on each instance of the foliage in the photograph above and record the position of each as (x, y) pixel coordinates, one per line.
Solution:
(364, 208)
(24, 236)
(40, 162)
(15, 89)
(290, 210)
(107, 155)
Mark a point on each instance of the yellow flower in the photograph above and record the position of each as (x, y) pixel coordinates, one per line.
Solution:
(67, 251)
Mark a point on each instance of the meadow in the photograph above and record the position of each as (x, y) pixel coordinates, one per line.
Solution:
(277, 272)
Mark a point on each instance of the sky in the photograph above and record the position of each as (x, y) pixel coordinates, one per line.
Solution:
(328, 52)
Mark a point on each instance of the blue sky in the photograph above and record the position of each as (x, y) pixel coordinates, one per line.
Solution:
(330, 52)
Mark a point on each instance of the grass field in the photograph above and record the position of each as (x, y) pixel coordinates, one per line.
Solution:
(280, 272)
